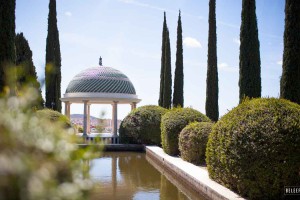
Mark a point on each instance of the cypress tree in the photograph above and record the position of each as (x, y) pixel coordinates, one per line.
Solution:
(167, 95)
(212, 89)
(26, 74)
(53, 61)
(7, 42)
(178, 79)
(290, 79)
(162, 70)
(250, 79)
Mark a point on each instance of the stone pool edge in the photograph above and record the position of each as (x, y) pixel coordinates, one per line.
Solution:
(194, 176)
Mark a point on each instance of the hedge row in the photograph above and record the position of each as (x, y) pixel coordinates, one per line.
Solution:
(192, 142)
(254, 149)
(142, 126)
(173, 122)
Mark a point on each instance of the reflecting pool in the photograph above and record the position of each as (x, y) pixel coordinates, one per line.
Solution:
(129, 175)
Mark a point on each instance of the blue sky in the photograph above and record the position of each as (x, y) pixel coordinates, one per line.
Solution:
(127, 34)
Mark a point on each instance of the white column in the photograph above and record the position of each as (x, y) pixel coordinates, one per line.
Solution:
(85, 114)
(112, 120)
(133, 105)
(69, 110)
(66, 107)
(115, 120)
(89, 119)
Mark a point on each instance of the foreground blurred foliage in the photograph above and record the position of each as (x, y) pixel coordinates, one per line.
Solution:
(39, 158)
(55, 116)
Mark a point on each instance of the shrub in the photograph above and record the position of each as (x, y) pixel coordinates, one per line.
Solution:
(255, 148)
(38, 159)
(80, 129)
(192, 142)
(142, 125)
(54, 116)
(173, 122)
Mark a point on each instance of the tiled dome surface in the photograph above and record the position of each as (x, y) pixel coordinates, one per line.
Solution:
(101, 80)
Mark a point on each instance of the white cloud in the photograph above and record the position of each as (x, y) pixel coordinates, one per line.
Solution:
(68, 14)
(271, 36)
(151, 6)
(137, 3)
(237, 41)
(142, 54)
(279, 62)
(127, 1)
(200, 17)
(77, 39)
(225, 67)
(191, 42)
(228, 25)
(194, 63)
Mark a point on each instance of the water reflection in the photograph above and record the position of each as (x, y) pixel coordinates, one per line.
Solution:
(128, 175)
(166, 189)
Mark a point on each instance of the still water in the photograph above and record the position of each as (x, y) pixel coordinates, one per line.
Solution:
(129, 175)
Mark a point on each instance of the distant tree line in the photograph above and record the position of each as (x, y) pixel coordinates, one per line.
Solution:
(26, 72)
(212, 88)
(178, 79)
(15, 50)
(249, 60)
(165, 95)
(165, 98)
(7, 45)
(290, 79)
(250, 76)
(53, 61)
(17, 70)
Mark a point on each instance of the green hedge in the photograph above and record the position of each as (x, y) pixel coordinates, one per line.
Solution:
(192, 142)
(255, 148)
(54, 116)
(142, 126)
(173, 122)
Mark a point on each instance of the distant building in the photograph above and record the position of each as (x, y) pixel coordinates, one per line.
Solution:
(95, 122)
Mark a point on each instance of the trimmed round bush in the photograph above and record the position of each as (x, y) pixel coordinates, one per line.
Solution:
(54, 116)
(173, 122)
(142, 126)
(255, 148)
(192, 142)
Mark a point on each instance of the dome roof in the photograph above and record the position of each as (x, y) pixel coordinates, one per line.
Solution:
(101, 80)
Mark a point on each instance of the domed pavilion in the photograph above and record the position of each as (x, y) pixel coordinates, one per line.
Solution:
(100, 85)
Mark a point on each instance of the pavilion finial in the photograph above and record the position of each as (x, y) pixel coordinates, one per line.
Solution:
(100, 61)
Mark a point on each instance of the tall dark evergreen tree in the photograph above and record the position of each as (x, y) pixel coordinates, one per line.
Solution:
(250, 75)
(7, 42)
(290, 79)
(53, 61)
(162, 70)
(26, 74)
(167, 96)
(212, 88)
(178, 79)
